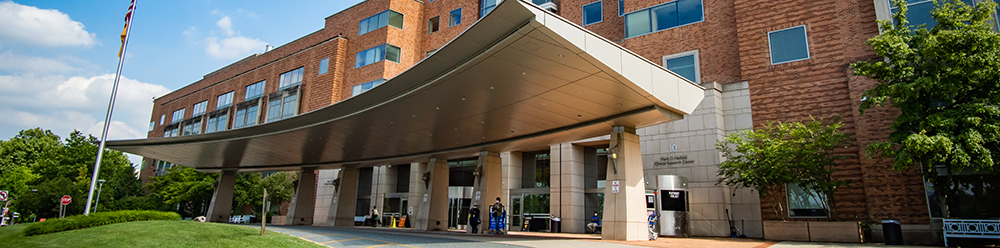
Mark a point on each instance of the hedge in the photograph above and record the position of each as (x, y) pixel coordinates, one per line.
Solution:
(96, 219)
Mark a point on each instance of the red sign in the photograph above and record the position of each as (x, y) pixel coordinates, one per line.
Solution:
(65, 200)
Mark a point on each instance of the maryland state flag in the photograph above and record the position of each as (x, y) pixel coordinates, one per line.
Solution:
(128, 20)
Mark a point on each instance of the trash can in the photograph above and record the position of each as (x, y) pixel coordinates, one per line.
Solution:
(892, 232)
(556, 225)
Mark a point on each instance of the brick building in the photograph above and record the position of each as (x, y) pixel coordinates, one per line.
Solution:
(758, 61)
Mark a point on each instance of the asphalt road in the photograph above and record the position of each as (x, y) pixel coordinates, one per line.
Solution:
(362, 237)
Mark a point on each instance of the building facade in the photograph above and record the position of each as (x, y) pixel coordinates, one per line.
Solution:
(758, 61)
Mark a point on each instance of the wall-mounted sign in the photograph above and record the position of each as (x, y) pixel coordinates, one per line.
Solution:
(614, 187)
(673, 160)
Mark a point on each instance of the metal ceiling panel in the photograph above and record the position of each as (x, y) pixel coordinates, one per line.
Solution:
(519, 78)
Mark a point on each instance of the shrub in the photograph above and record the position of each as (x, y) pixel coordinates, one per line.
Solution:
(96, 219)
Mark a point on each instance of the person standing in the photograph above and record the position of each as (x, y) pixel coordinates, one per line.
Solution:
(474, 218)
(375, 219)
(497, 216)
(595, 222)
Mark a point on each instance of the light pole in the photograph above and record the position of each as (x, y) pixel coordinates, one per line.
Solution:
(98, 201)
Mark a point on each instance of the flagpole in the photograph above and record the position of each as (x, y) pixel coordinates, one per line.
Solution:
(111, 106)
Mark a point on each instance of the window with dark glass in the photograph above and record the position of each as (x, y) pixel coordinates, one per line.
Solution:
(918, 12)
(433, 24)
(283, 104)
(788, 45)
(376, 54)
(485, 6)
(377, 21)
(684, 64)
(592, 13)
(663, 16)
(361, 88)
(805, 202)
(217, 121)
(247, 113)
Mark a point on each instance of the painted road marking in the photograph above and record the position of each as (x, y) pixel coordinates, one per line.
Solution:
(334, 241)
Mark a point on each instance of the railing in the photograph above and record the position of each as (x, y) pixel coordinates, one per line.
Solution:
(983, 229)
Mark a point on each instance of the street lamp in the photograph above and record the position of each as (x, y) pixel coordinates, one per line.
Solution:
(98, 201)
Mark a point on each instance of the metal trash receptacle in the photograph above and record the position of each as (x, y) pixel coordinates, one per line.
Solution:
(893, 232)
(556, 225)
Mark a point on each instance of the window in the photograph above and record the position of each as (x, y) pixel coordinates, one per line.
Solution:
(199, 108)
(254, 90)
(621, 7)
(323, 64)
(592, 13)
(663, 16)
(177, 116)
(192, 127)
(919, 11)
(456, 17)
(788, 45)
(386, 18)
(684, 64)
(217, 121)
(282, 104)
(361, 88)
(432, 24)
(162, 117)
(290, 78)
(246, 116)
(152, 125)
(162, 167)
(171, 131)
(485, 6)
(376, 54)
(224, 100)
(805, 202)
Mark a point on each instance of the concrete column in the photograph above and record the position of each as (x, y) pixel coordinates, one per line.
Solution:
(625, 211)
(380, 181)
(488, 185)
(511, 167)
(222, 200)
(433, 213)
(417, 189)
(324, 195)
(567, 187)
(300, 212)
(344, 202)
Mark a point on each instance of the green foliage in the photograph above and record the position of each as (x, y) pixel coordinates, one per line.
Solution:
(784, 153)
(96, 219)
(185, 186)
(279, 186)
(946, 83)
(37, 159)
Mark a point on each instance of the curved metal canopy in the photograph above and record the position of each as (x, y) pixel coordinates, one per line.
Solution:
(520, 78)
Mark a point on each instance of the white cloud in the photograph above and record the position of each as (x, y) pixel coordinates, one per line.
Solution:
(11, 62)
(76, 103)
(226, 24)
(232, 47)
(44, 27)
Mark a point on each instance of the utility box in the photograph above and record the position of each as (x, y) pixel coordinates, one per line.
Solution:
(673, 194)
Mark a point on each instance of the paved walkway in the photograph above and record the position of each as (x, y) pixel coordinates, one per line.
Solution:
(406, 237)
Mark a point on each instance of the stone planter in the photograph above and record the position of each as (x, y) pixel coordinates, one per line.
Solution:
(813, 231)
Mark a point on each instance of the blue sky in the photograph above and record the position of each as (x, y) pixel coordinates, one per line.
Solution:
(58, 57)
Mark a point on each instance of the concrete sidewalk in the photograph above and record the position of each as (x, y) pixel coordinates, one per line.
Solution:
(572, 240)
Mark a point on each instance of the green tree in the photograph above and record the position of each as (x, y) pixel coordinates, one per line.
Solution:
(779, 153)
(184, 186)
(279, 186)
(945, 81)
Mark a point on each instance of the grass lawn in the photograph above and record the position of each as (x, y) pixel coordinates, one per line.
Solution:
(153, 234)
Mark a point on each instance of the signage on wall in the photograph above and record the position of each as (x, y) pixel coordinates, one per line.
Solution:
(614, 187)
(673, 160)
